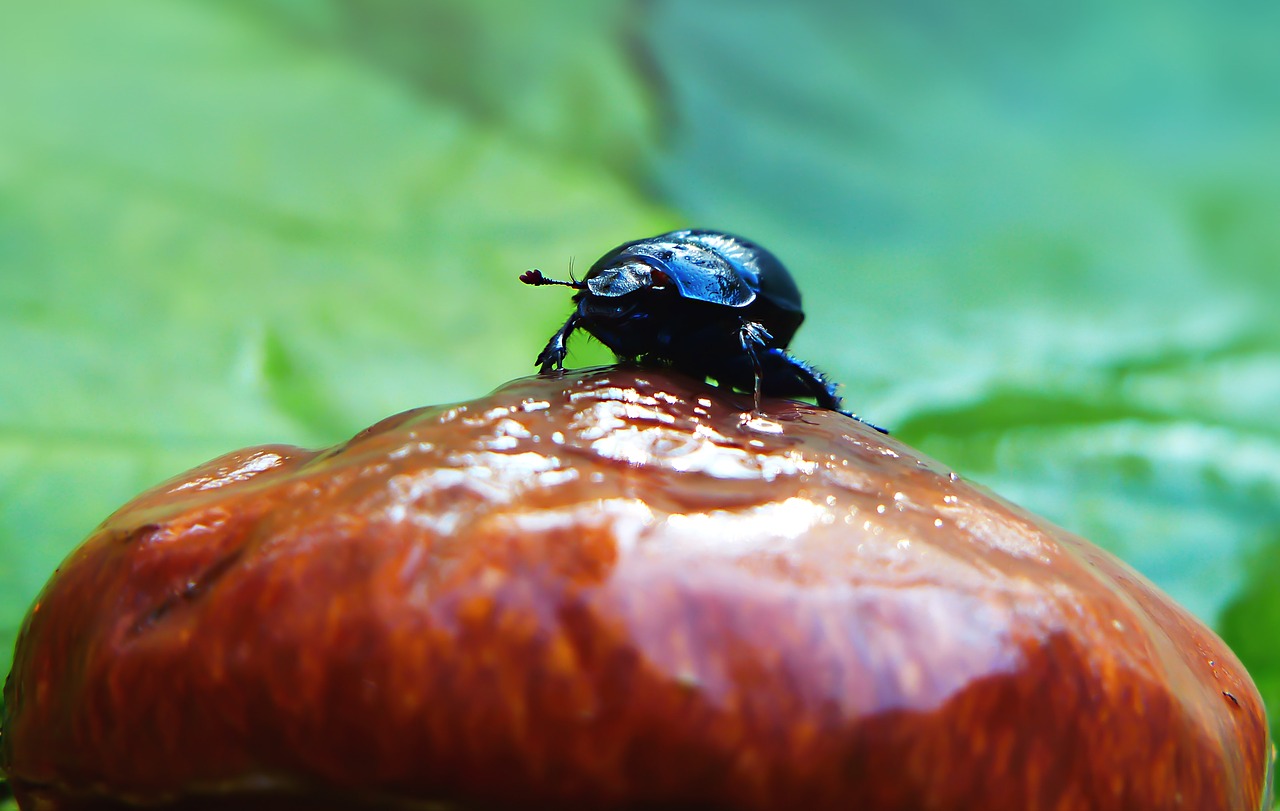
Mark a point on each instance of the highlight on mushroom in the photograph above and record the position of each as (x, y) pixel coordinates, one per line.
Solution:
(605, 590)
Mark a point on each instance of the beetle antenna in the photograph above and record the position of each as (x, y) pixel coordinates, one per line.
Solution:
(535, 278)
(571, 276)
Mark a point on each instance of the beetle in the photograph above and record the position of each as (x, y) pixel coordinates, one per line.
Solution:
(704, 302)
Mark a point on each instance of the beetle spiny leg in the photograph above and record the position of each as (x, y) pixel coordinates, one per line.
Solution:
(822, 389)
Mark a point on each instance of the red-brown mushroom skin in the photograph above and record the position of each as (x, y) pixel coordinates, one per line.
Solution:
(607, 590)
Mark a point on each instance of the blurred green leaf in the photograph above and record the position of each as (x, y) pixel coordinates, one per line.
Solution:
(1038, 242)
(216, 232)
(560, 77)
(1035, 244)
(1043, 250)
(1249, 624)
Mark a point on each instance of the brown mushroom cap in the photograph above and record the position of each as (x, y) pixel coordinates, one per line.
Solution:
(605, 590)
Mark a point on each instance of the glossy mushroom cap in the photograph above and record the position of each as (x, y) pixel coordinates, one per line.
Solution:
(602, 591)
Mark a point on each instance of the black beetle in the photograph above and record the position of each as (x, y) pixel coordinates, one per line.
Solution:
(703, 302)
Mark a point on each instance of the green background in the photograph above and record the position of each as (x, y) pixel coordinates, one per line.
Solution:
(1040, 242)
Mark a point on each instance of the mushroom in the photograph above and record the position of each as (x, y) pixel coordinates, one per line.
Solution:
(613, 589)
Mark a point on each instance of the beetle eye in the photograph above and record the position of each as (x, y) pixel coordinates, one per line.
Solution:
(659, 278)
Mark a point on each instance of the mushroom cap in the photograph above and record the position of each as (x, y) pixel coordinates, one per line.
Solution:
(611, 589)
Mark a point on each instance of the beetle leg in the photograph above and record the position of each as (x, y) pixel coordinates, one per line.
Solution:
(751, 334)
(551, 358)
(884, 431)
(759, 374)
(822, 390)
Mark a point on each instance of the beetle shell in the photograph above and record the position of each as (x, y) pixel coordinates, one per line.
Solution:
(705, 266)
(707, 303)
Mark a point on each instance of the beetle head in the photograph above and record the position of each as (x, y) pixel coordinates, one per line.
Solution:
(626, 277)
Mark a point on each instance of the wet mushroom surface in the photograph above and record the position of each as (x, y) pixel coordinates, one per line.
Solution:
(613, 589)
